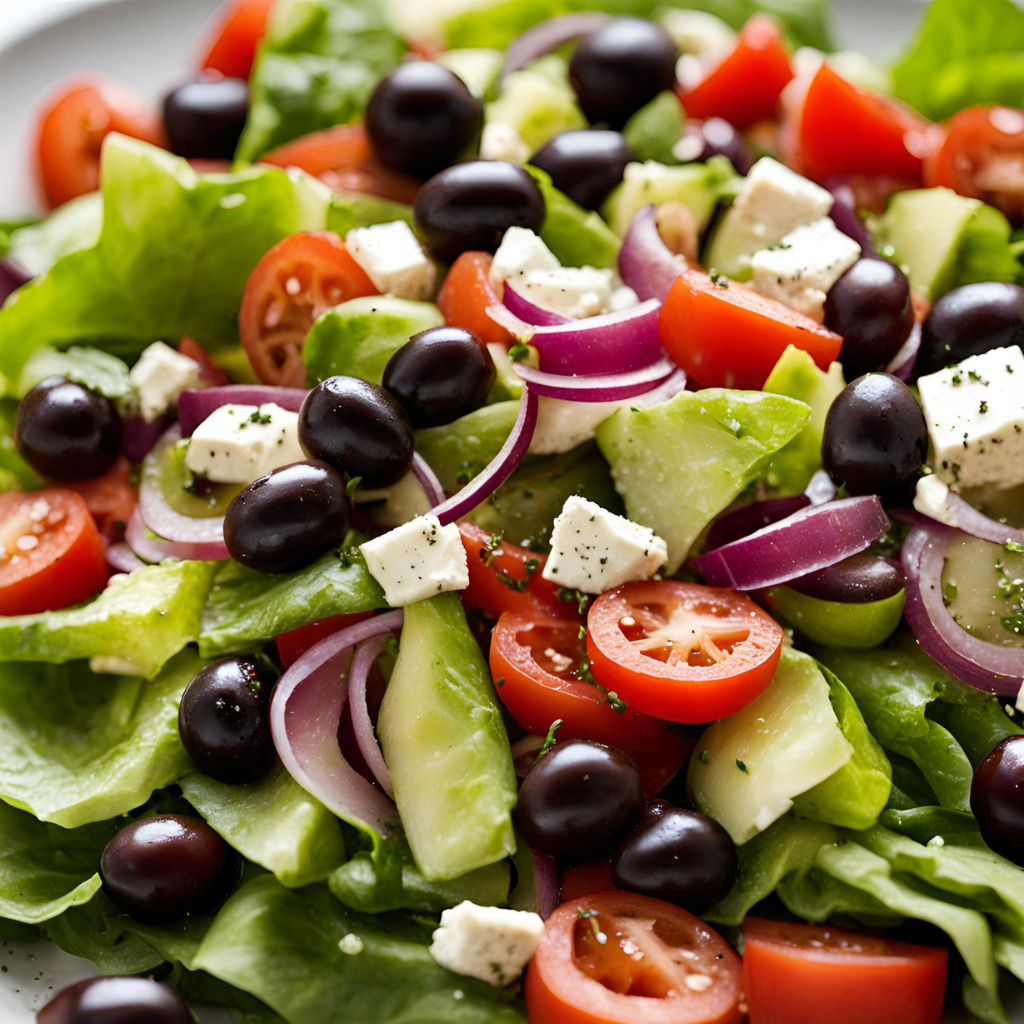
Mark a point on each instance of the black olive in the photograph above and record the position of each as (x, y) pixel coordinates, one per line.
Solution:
(116, 1000)
(859, 579)
(716, 137)
(996, 798)
(204, 119)
(585, 165)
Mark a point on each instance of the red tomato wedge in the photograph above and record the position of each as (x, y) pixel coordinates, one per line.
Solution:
(538, 664)
(111, 498)
(291, 286)
(746, 86)
(981, 155)
(727, 335)
(586, 969)
(240, 26)
(72, 127)
(842, 130)
(682, 651)
(341, 157)
(209, 372)
(51, 553)
(465, 296)
(293, 645)
(794, 970)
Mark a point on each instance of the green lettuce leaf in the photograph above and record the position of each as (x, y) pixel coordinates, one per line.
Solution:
(350, 210)
(74, 225)
(317, 66)
(97, 931)
(15, 473)
(576, 236)
(92, 367)
(142, 620)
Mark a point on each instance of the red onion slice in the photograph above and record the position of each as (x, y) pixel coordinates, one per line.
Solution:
(530, 312)
(12, 277)
(139, 437)
(121, 558)
(747, 519)
(806, 541)
(153, 549)
(980, 664)
(524, 753)
(903, 363)
(844, 214)
(362, 662)
(646, 263)
(427, 479)
(606, 388)
(546, 883)
(304, 713)
(546, 36)
(962, 515)
(196, 406)
(500, 468)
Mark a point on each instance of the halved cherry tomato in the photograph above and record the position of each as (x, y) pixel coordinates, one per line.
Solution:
(111, 498)
(342, 158)
(291, 286)
(619, 958)
(727, 335)
(51, 553)
(293, 645)
(682, 651)
(843, 130)
(209, 372)
(794, 970)
(746, 86)
(981, 155)
(72, 128)
(538, 662)
(240, 26)
(504, 577)
(465, 296)
(585, 879)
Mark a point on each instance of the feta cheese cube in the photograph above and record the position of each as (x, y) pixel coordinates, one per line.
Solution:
(488, 943)
(160, 375)
(623, 297)
(237, 444)
(801, 269)
(975, 417)
(417, 560)
(571, 291)
(521, 250)
(393, 259)
(594, 550)
(930, 500)
(502, 141)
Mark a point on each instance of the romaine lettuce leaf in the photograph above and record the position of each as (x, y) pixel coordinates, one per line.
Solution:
(97, 931)
(350, 210)
(15, 473)
(75, 225)
(143, 619)
(92, 367)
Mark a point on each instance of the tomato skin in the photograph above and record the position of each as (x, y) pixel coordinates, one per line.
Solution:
(209, 372)
(66, 566)
(746, 86)
(561, 987)
(466, 295)
(732, 337)
(579, 880)
(111, 498)
(72, 127)
(274, 320)
(240, 26)
(293, 645)
(789, 980)
(536, 697)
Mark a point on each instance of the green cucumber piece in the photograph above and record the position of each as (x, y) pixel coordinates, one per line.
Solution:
(838, 623)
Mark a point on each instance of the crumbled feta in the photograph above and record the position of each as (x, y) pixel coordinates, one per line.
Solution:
(801, 269)
(489, 943)
(930, 500)
(417, 560)
(975, 419)
(520, 252)
(393, 259)
(594, 550)
(502, 141)
(111, 665)
(623, 297)
(236, 444)
(160, 375)
(571, 291)
(1020, 698)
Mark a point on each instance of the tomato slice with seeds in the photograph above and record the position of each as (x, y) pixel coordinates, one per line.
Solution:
(465, 296)
(291, 286)
(620, 958)
(539, 664)
(682, 651)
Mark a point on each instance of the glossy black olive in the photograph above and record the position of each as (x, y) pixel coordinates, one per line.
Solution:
(204, 119)
(421, 118)
(67, 432)
(997, 798)
(969, 321)
(224, 720)
(682, 857)
(875, 438)
(359, 429)
(869, 306)
(116, 1000)
(439, 375)
(160, 868)
(859, 579)
(620, 68)
(716, 137)
(579, 800)
(585, 165)
(471, 206)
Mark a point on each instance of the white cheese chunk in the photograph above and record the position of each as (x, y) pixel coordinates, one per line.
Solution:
(593, 550)
(111, 665)
(502, 141)
(700, 34)
(236, 444)
(488, 943)
(160, 375)
(800, 270)
(571, 291)
(417, 560)
(521, 251)
(975, 417)
(930, 500)
(393, 259)
(623, 297)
